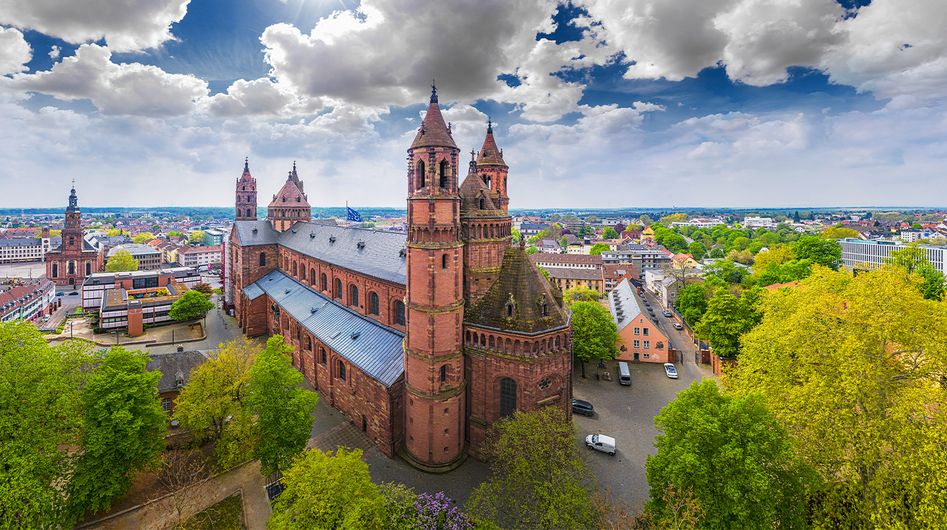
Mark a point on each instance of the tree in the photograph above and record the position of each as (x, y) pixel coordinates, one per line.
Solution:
(181, 470)
(563, 242)
(40, 420)
(191, 306)
(673, 218)
(580, 294)
(594, 333)
(326, 490)
(727, 318)
(853, 368)
(532, 249)
(839, 232)
(121, 261)
(691, 303)
(598, 248)
(697, 250)
(143, 238)
(123, 429)
(196, 236)
(825, 252)
(537, 478)
(732, 456)
(204, 289)
(516, 236)
(282, 408)
(609, 233)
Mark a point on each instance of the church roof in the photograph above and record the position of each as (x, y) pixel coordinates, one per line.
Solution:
(490, 154)
(473, 189)
(255, 232)
(372, 252)
(375, 349)
(515, 300)
(291, 194)
(433, 131)
(246, 170)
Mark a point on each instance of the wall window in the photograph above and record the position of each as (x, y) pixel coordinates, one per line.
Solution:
(373, 303)
(637, 343)
(325, 282)
(262, 259)
(399, 313)
(353, 295)
(322, 356)
(443, 261)
(72, 267)
(444, 173)
(637, 331)
(55, 270)
(88, 268)
(507, 397)
(645, 331)
(420, 171)
(338, 289)
(312, 276)
(443, 373)
(647, 344)
(341, 370)
(166, 404)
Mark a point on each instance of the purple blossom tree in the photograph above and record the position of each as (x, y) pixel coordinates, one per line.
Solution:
(437, 511)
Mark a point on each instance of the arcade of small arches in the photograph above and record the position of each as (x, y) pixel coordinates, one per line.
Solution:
(495, 342)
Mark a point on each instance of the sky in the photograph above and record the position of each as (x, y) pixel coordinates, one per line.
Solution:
(596, 103)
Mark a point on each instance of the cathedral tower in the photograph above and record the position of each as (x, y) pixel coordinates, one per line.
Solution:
(493, 170)
(290, 205)
(433, 362)
(246, 195)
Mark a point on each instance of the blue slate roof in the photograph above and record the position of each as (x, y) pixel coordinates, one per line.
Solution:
(371, 252)
(375, 349)
(255, 232)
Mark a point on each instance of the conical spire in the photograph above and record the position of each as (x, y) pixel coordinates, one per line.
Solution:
(490, 154)
(246, 169)
(474, 193)
(434, 131)
(73, 198)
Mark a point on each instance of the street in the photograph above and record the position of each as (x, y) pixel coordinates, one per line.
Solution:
(627, 414)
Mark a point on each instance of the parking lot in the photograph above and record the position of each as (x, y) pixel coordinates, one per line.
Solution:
(627, 414)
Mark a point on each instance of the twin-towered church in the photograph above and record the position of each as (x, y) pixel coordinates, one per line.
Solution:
(422, 339)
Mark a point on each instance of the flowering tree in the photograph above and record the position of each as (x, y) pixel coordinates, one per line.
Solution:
(437, 511)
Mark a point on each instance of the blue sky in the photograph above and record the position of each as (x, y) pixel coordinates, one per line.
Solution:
(598, 103)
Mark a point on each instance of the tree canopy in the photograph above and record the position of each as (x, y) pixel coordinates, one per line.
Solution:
(537, 478)
(598, 248)
(580, 294)
(853, 367)
(691, 303)
(143, 238)
(913, 259)
(732, 456)
(727, 318)
(609, 233)
(192, 305)
(839, 232)
(121, 261)
(594, 333)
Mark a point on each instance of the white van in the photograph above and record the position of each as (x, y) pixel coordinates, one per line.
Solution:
(624, 374)
(600, 442)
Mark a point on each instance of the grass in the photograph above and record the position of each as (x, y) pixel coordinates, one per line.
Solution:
(225, 515)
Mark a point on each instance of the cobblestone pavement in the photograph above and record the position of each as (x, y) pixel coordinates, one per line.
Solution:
(627, 413)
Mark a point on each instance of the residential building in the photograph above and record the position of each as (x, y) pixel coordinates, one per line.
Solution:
(27, 300)
(640, 337)
(95, 286)
(911, 236)
(663, 286)
(701, 222)
(641, 257)
(175, 368)
(531, 229)
(148, 257)
(758, 222)
(568, 261)
(133, 309)
(214, 237)
(568, 278)
(200, 256)
(22, 249)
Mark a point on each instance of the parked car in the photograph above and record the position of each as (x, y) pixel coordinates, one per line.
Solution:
(600, 442)
(60, 293)
(678, 326)
(583, 407)
(667, 313)
(74, 293)
(670, 370)
(624, 374)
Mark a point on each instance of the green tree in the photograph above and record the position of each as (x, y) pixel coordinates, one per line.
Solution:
(672, 218)
(192, 305)
(691, 303)
(727, 318)
(563, 241)
(516, 236)
(733, 456)
(853, 368)
(537, 478)
(913, 259)
(123, 429)
(196, 237)
(328, 491)
(598, 248)
(143, 238)
(825, 252)
(283, 409)
(121, 261)
(697, 250)
(532, 249)
(609, 233)
(839, 232)
(204, 289)
(594, 333)
(646, 220)
(40, 421)
(580, 294)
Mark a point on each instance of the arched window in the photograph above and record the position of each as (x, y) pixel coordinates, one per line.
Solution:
(420, 170)
(312, 276)
(72, 267)
(308, 343)
(88, 268)
(399, 313)
(55, 270)
(249, 212)
(373, 303)
(443, 373)
(353, 295)
(341, 370)
(338, 289)
(325, 282)
(443, 261)
(507, 397)
(294, 269)
(444, 174)
(322, 356)
(482, 204)
(262, 259)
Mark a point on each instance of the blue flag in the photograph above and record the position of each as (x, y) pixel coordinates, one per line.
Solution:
(353, 215)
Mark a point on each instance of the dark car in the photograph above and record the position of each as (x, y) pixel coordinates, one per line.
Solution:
(583, 407)
(74, 293)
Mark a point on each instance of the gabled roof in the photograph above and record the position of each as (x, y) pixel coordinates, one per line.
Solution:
(175, 367)
(259, 232)
(291, 194)
(522, 290)
(623, 304)
(372, 252)
(433, 131)
(375, 349)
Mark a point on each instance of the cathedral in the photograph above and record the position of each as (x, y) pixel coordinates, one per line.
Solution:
(69, 264)
(423, 339)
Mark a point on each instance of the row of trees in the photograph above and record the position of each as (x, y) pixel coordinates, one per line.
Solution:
(835, 415)
(76, 425)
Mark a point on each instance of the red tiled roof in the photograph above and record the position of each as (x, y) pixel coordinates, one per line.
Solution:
(433, 131)
(291, 194)
(490, 154)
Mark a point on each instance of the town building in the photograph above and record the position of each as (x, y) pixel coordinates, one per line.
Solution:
(24, 249)
(28, 300)
(214, 237)
(75, 258)
(860, 254)
(175, 368)
(200, 256)
(95, 286)
(148, 257)
(663, 286)
(421, 339)
(758, 222)
(134, 308)
(641, 257)
(640, 337)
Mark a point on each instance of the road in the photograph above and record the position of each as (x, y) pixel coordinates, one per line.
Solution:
(627, 413)
(220, 328)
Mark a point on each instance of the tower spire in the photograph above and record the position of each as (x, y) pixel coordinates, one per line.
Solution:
(489, 125)
(246, 163)
(433, 92)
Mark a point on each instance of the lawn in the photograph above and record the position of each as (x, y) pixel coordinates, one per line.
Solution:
(225, 515)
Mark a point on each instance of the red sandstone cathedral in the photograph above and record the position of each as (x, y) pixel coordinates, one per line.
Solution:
(422, 340)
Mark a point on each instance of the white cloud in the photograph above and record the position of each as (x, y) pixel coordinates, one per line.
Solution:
(129, 25)
(54, 52)
(259, 97)
(126, 88)
(15, 52)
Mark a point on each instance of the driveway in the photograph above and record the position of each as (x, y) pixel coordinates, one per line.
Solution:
(627, 413)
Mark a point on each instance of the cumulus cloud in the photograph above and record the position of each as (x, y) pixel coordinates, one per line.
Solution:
(129, 25)
(126, 88)
(54, 52)
(260, 97)
(15, 52)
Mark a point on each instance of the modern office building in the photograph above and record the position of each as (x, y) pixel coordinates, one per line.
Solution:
(95, 286)
(867, 254)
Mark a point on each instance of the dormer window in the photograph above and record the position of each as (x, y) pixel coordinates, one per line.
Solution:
(331, 239)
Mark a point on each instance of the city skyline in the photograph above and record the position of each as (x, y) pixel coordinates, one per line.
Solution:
(727, 104)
